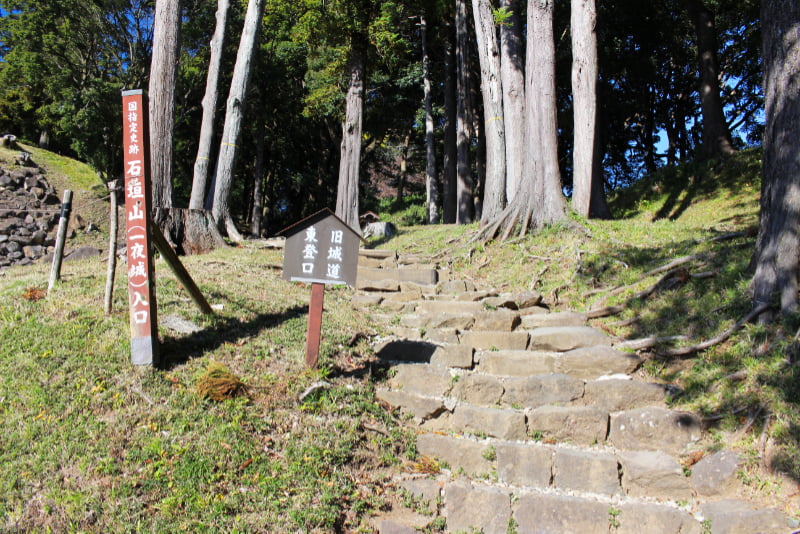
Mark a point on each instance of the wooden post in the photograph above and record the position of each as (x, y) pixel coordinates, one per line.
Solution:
(314, 324)
(63, 222)
(112, 247)
(141, 272)
(180, 271)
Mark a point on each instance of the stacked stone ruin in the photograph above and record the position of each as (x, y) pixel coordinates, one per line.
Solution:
(29, 213)
(529, 420)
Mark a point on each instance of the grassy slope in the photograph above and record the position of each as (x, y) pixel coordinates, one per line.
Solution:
(89, 443)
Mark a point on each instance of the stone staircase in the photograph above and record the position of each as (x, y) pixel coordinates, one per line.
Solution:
(531, 421)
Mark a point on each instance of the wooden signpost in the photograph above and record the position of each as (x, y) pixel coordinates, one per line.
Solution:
(320, 249)
(141, 274)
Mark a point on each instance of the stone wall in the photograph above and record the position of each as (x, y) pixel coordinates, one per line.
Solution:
(29, 213)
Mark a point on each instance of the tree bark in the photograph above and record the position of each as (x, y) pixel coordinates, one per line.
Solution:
(542, 127)
(584, 105)
(163, 72)
(403, 177)
(716, 135)
(190, 231)
(347, 193)
(494, 192)
(431, 185)
(449, 163)
(200, 178)
(512, 74)
(777, 255)
(233, 119)
(258, 185)
(539, 201)
(465, 208)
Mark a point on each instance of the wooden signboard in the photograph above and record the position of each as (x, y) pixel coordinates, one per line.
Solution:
(141, 272)
(321, 249)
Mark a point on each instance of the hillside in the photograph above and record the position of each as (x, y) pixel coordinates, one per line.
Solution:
(91, 444)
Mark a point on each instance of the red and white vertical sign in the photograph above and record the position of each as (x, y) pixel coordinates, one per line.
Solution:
(141, 273)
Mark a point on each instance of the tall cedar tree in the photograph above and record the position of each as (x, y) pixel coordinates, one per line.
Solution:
(233, 119)
(163, 73)
(777, 254)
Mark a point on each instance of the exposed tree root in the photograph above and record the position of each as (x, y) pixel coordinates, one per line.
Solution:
(684, 351)
(648, 342)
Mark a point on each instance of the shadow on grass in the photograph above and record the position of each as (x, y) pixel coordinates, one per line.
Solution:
(739, 385)
(177, 350)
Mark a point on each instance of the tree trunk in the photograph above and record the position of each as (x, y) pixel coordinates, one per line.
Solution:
(431, 186)
(347, 194)
(465, 208)
(539, 201)
(584, 104)
(163, 72)
(233, 119)
(512, 73)
(258, 185)
(403, 177)
(716, 135)
(190, 231)
(494, 192)
(778, 245)
(540, 99)
(449, 165)
(200, 179)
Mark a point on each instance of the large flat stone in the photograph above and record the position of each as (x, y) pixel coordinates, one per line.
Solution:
(482, 508)
(458, 321)
(498, 423)
(593, 362)
(590, 471)
(449, 307)
(560, 514)
(493, 340)
(377, 285)
(644, 518)
(418, 276)
(565, 338)
(584, 425)
(498, 320)
(620, 394)
(425, 380)
(422, 408)
(715, 475)
(460, 356)
(428, 492)
(516, 362)
(442, 335)
(654, 428)
(653, 474)
(542, 320)
(738, 517)
(526, 464)
(535, 391)
(481, 390)
(458, 453)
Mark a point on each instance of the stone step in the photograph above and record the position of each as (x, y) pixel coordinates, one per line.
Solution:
(474, 506)
(528, 392)
(422, 276)
(487, 483)
(444, 347)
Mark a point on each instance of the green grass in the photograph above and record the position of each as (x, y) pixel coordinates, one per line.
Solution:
(89, 443)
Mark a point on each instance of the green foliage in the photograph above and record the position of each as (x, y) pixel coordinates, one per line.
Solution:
(502, 15)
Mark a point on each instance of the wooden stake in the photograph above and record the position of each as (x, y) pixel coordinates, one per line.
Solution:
(112, 247)
(314, 324)
(180, 271)
(63, 222)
